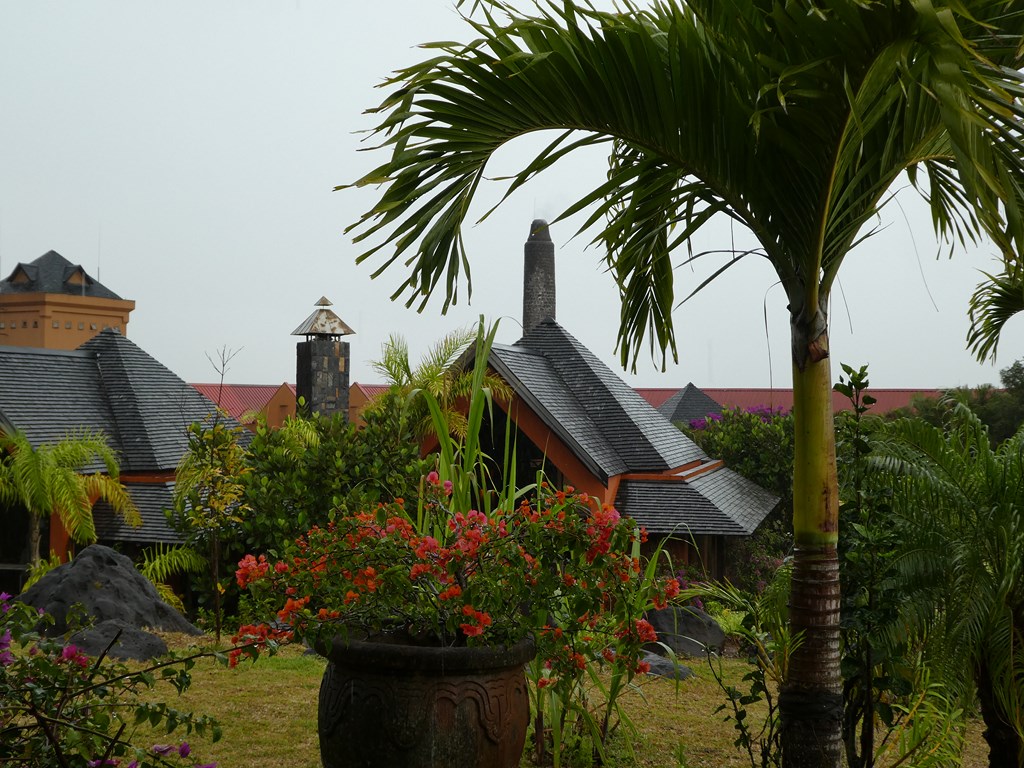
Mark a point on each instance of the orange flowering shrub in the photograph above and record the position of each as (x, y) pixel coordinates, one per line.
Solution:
(554, 567)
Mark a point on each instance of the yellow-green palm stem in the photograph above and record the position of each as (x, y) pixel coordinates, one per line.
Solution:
(815, 486)
(811, 700)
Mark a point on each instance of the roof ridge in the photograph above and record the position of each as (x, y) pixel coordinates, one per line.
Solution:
(654, 436)
(606, 460)
(97, 349)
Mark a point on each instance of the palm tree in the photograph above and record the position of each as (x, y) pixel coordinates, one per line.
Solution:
(995, 301)
(49, 478)
(792, 117)
(964, 502)
(442, 373)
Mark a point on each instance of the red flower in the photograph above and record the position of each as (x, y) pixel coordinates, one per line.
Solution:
(291, 607)
(453, 591)
(250, 569)
(645, 631)
(480, 620)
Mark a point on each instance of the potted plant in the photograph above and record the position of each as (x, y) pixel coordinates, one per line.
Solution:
(429, 615)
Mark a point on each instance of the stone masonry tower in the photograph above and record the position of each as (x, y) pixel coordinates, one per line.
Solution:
(538, 276)
(322, 363)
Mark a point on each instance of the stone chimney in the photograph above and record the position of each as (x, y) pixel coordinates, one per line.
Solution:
(322, 363)
(538, 276)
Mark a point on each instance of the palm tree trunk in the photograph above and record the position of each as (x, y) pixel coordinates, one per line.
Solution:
(1004, 745)
(35, 535)
(811, 700)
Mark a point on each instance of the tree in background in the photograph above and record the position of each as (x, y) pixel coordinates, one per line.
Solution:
(994, 303)
(962, 545)
(237, 494)
(209, 500)
(1002, 411)
(794, 119)
(441, 372)
(49, 479)
(758, 444)
(314, 468)
(875, 660)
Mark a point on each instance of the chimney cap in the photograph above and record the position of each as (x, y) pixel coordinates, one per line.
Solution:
(323, 323)
(539, 231)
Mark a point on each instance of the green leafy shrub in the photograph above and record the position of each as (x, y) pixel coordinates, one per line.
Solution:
(758, 444)
(59, 707)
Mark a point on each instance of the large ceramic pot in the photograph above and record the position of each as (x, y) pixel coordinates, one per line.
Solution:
(402, 706)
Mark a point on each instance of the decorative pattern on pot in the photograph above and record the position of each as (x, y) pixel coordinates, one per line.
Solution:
(395, 705)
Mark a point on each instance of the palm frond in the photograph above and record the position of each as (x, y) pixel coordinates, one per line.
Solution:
(992, 305)
(961, 571)
(163, 561)
(795, 124)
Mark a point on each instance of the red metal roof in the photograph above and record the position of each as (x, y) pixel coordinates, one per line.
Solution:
(371, 390)
(658, 395)
(239, 399)
(888, 399)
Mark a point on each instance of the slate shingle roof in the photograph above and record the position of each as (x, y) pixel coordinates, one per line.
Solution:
(50, 274)
(743, 500)
(613, 431)
(534, 379)
(666, 507)
(151, 499)
(150, 406)
(107, 385)
(48, 394)
(718, 502)
(688, 404)
(642, 438)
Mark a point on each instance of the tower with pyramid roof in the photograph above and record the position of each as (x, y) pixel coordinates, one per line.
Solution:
(322, 362)
(54, 304)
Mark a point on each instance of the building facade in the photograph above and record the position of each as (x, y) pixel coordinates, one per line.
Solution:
(51, 303)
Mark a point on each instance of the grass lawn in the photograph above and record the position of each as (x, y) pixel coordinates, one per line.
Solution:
(268, 715)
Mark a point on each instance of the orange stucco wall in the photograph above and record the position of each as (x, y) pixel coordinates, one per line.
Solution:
(357, 401)
(58, 321)
(280, 407)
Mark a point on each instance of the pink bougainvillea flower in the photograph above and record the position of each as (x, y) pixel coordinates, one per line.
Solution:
(184, 750)
(71, 653)
(163, 749)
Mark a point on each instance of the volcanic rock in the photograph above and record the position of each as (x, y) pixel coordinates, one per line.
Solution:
(687, 631)
(110, 589)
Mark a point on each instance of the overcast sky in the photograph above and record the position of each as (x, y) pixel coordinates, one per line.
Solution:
(186, 153)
